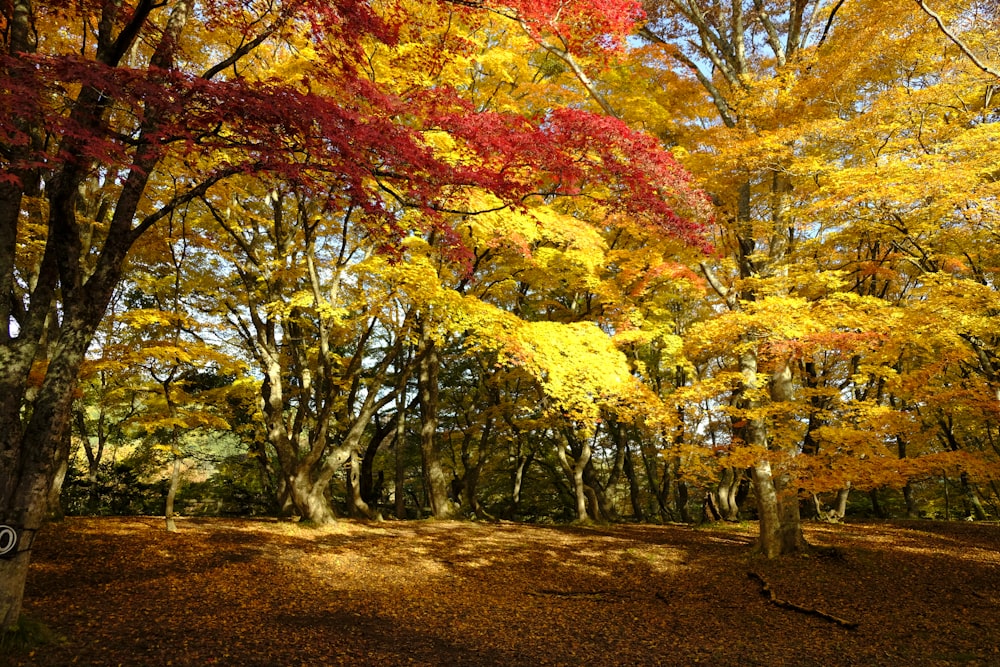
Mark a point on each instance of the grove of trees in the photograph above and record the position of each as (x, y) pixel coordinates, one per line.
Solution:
(525, 260)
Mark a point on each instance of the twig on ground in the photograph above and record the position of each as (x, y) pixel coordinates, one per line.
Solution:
(785, 604)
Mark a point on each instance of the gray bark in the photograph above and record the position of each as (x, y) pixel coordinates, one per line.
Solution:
(437, 484)
(573, 465)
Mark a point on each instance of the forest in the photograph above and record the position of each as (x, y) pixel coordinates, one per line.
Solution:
(545, 261)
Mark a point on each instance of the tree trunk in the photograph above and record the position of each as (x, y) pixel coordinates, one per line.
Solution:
(602, 509)
(437, 484)
(175, 479)
(731, 493)
(975, 505)
(400, 443)
(777, 498)
(877, 509)
(517, 481)
(30, 453)
(842, 497)
(682, 501)
(710, 510)
(912, 511)
(356, 503)
(770, 540)
(634, 495)
(574, 471)
(310, 499)
(55, 511)
(175, 473)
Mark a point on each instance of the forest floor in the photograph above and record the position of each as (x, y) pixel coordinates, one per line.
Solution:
(122, 591)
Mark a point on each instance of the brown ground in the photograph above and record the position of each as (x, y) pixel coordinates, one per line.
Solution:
(124, 592)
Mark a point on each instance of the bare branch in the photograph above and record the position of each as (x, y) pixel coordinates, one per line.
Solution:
(958, 42)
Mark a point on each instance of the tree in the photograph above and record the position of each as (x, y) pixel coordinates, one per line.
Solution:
(143, 108)
(845, 155)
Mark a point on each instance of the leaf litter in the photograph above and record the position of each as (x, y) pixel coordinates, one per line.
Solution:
(122, 591)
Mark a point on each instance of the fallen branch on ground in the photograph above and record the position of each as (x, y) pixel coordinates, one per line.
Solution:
(589, 595)
(785, 604)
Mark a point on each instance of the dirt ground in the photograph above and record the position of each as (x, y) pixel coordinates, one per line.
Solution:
(122, 591)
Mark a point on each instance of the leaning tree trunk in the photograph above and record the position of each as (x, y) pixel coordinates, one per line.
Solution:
(55, 511)
(634, 493)
(356, 502)
(30, 451)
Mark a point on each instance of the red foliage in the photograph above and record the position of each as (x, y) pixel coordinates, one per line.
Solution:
(581, 25)
(355, 143)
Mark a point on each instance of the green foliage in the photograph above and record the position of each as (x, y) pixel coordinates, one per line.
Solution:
(234, 489)
(120, 489)
(28, 635)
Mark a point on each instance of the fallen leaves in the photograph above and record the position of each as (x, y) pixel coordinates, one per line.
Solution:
(123, 591)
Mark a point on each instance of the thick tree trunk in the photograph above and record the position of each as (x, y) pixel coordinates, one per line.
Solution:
(842, 496)
(310, 499)
(470, 485)
(13, 573)
(777, 499)
(30, 458)
(769, 542)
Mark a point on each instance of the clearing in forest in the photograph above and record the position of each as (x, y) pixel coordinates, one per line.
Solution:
(122, 591)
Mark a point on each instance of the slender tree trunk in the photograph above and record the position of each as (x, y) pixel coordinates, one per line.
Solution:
(400, 444)
(55, 511)
(436, 482)
(517, 481)
(975, 505)
(710, 509)
(912, 511)
(731, 493)
(175, 479)
(635, 497)
(574, 470)
(947, 498)
(682, 502)
(602, 509)
(877, 509)
(175, 473)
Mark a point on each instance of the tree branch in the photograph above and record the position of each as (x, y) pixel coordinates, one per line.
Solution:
(958, 42)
